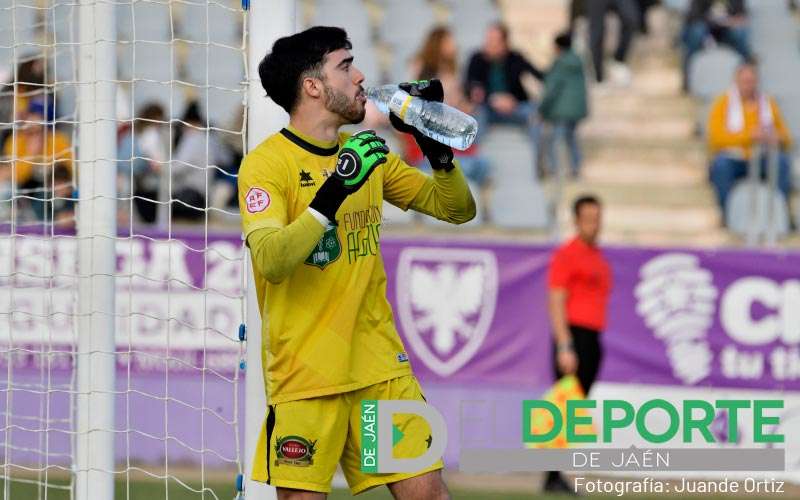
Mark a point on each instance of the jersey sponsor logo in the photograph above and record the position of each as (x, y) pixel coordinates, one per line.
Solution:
(402, 357)
(306, 180)
(328, 249)
(295, 450)
(446, 299)
(257, 200)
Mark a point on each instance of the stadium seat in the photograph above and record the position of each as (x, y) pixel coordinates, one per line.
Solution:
(679, 6)
(711, 72)
(349, 14)
(404, 42)
(225, 23)
(151, 21)
(744, 213)
(517, 200)
(222, 66)
(469, 21)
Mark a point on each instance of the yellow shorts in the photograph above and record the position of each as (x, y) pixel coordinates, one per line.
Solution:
(309, 437)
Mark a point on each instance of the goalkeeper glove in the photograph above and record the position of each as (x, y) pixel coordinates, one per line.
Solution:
(358, 158)
(439, 155)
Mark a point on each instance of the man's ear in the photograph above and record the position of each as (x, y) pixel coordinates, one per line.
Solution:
(312, 87)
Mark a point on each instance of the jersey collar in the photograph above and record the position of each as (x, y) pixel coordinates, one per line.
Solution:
(309, 144)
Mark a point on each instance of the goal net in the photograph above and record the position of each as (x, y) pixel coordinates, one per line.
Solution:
(122, 274)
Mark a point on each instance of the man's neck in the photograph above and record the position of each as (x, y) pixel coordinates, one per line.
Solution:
(321, 130)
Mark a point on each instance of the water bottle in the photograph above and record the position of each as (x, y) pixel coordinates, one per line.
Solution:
(436, 120)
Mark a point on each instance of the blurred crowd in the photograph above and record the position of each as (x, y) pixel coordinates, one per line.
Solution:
(38, 178)
(179, 167)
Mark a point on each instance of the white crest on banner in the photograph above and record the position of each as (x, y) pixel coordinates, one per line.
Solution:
(446, 296)
(676, 298)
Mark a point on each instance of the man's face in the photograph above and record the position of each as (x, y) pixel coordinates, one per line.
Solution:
(588, 222)
(747, 81)
(343, 94)
(494, 46)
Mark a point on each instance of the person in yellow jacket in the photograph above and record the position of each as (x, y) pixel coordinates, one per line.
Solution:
(740, 121)
(311, 199)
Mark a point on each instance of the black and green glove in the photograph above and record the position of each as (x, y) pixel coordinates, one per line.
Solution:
(440, 155)
(358, 158)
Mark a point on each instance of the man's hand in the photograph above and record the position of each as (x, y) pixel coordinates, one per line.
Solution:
(567, 361)
(359, 157)
(477, 94)
(503, 102)
(440, 155)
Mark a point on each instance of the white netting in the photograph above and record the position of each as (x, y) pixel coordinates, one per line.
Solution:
(179, 268)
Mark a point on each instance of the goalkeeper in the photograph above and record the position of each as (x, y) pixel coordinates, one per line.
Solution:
(311, 200)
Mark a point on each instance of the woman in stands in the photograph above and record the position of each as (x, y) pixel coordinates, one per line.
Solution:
(438, 58)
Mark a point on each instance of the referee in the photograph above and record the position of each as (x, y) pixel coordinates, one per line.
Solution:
(579, 284)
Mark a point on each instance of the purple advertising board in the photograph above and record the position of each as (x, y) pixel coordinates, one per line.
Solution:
(472, 315)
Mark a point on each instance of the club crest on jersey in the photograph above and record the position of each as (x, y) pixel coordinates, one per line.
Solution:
(328, 249)
(295, 450)
(446, 300)
(257, 200)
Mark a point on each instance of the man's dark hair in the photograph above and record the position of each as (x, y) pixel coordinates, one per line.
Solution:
(564, 40)
(502, 28)
(296, 57)
(587, 199)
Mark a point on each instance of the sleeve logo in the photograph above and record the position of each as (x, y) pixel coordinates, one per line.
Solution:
(257, 200)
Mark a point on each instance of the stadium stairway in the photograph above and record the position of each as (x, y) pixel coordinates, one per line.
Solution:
(640, 155)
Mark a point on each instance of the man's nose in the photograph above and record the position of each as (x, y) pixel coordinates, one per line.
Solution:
(358, 76)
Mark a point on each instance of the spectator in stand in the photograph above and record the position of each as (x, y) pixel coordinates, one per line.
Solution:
(722, 21)
(494, 85)
(34, 151)
(18, 90)
(629, 14)
(198, 150)
(564, 102)
(152, 143)
(742, 120)
(438, 59)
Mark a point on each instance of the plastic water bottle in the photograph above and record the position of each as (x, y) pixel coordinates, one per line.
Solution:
(436, 120)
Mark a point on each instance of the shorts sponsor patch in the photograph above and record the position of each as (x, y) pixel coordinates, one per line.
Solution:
(257, 200)
(402, 357)
(294, 450)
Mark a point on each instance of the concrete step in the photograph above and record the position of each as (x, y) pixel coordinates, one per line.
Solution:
(622, 127)
(711, 238)
(629, 172)
(648, 219)
(638, 107)
(642, 194)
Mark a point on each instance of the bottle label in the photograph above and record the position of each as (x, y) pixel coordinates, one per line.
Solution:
(399, 102)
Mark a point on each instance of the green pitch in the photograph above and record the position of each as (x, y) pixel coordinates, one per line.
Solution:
(154, 490)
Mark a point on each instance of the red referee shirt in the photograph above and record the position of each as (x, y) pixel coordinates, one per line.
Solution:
(584, 273)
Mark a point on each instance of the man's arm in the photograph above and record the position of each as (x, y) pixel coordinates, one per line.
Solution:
(530, 68)
(277, 252)
(557, 307)
(446, 196)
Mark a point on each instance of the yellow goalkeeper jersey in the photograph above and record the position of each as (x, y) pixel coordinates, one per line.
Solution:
(328, 327)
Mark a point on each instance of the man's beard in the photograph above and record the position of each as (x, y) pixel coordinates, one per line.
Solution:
(350, 110)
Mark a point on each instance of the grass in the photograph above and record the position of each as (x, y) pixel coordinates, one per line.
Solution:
(155, 490)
